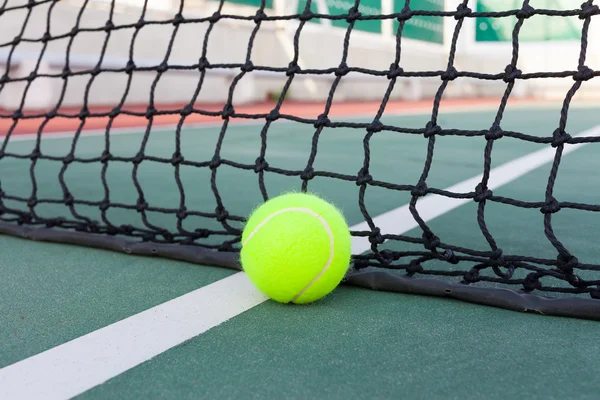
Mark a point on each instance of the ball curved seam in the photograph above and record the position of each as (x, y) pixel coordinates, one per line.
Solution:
(327, 230)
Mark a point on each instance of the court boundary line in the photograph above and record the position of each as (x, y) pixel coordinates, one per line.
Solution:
(92, 359)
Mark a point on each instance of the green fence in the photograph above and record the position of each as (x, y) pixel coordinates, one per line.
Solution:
(341, 7)
(425, 28)
(535, 28)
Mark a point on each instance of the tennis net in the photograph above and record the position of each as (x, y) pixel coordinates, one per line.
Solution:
(41, 69)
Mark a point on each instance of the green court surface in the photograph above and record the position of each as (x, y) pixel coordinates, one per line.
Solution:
(355, 343)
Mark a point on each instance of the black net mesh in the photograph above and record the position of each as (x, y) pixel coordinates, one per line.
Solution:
(218, 241)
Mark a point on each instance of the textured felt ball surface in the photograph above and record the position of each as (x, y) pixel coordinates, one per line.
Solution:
(296, 248)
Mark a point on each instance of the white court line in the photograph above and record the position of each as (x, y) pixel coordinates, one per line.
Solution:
(77, 366)
(90, 360)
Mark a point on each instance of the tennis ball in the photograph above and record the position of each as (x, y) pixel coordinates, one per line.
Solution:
(296, 248)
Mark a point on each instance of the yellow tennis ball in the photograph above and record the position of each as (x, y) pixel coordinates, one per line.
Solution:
(296, 248)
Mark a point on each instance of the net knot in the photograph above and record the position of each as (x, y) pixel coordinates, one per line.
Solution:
(260, 165)
(248, 66)
(17, 114)
(139, 157)
(162, 67)
(176, 159)
(150, 112)
(307, 174)
(4, 79)
(419, 190)
(68, 199)
(109, 26)
(360, 264)
(66, 72)
(471, 276)
(532, 282)
(405, 14)
(93, 227)
(525, 12)
(46, 37)
(187, 110)
(25, 219)
(395, 71)
(321, 121)
(69, 158)
(385, 257)
(201, 233)
(595, 292)
(292, 69)
(182, 213)
(140, 24)
(35, 154)
(462, 11)
(126, 229)
(511, 73)
(31, 76)
(130, 67)
(353, 15)
(84, 113)
(259, 16)
(104, 205)
(54, 222)
(583, 73)
(588, 9)
(215, 162)
(167, 236)
(551, 206)
(575, 280)
(178, 19)
(112, 230)
(431, 129)
(226, 246)
(430, 241)
(450, 257)
(32, 202)
(148, 237)
(363, 177)
(114, 113)
(567, 263)
(375, 126)
(16, 40)
(215, 17)
(414, 267)
(228, 111)
(482, 193)
(510, 270)
(496, 255)
(375, 237)
(560, 137)
(494, 133)
(307, 15)
(141, 205)
(221, 213)
(273, 116)
(342, 69)
(450, 74)
(203, 63)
